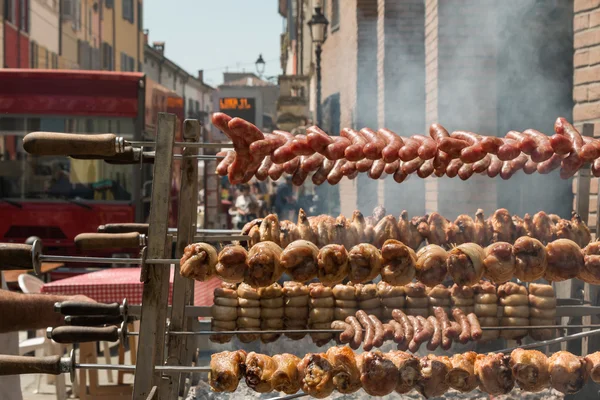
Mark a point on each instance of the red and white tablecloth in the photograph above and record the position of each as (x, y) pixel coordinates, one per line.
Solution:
(115, 284)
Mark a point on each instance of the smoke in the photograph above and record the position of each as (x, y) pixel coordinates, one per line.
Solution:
(500, 66)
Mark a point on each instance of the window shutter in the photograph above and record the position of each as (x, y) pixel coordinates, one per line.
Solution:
(67, 9)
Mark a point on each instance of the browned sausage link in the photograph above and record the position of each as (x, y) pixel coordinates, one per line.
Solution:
(358, 332)
(427, 331)
(407, 326)
(413, 345)
(455, 330)
(461, 318)
(441, 315)
(378, 339)
(347, 335)
(398, 331)
(388, 331)
(367, 324)
(476, 331)
(436, 338)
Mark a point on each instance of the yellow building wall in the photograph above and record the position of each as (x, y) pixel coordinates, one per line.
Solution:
(128, 38)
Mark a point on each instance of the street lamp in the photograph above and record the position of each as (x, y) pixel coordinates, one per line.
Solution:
(318, 26)
(260, 65)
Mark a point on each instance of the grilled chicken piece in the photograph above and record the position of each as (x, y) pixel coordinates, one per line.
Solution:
(434, 370)
(269, 229)
(259, 372)
(528, 225)
(438, 229)
(305, 232)
(499, 262)
(590, 272)
(409, 232)
(568, 372)
(332, 264)
(226, 370)
(365, 263)
(232, 263)
(593, 366)
(316, 375)
(409, 370)
(465, 264)
(502, 225)
(300, 260)
(359, 225)
(349, 237)
(494, 373)
(264, 266)
(199, 261)
(386, 228)
(252, 229)
(346, 376)
(483, 229)
(565, 260)
(285, 378)
(431, 266)
(288, 232)
(462, 375)
(399, 262)
(463, 230)
(519, 226)
(530, 259)
(563, 229)
(543, 227)
(323, 227)
(583, 235)
(530, 369)
(378, 375)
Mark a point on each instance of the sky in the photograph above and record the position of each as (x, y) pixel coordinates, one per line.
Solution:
(218, 35)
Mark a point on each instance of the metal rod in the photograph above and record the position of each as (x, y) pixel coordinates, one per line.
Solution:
(289, 396)
(199, 157)
(138, 143)
(162, 368)
(107, 260)
(567, 338)
(212, 231)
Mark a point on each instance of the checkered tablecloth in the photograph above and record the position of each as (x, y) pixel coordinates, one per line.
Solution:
(115, 284)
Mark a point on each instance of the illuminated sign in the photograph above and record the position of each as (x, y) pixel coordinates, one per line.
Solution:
(242, 107)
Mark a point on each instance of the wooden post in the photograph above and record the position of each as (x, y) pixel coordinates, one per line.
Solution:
(156, 288)
(186, 228)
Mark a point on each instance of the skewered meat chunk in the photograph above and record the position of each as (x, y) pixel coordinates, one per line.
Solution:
(398, 263)
(431, 268)
(530, 259)
(439, 296)
(438, 229)
(591, 264)
(321, 313)
(296, 300)
(259, 372)
(434, 370)
(494, 373)
(465, 263)
(483, 229)
(368, 299)
(583, 235)
(264, 266)
(462, 374)
(565, 260)
(386, 228)
(378, 374)
(316, 375)
(346, 376)
(391, 297)
(409, 370)
(286, 378)
(299, 260)
(359, 225)
(412, 232)
(332, 264)
(514, 302)
(543, 227)
(486, 309)
(198, 261)
(542, 310)
(502, 225)
(365, 263)
(593, 366)
(462, 297)
(252, 229)
(568, 372)
(248, 312)
(226, 370)
(224, 312)
(232, 263)
(462, 231)
(305, 232)
(271, 310)
(530, 369)
(269, 229)
(323, 227)
(346, 303)
(288, 233)
(499, 262)
(417, 301)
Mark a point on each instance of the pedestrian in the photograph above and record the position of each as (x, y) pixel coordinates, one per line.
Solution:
(285, 202)
(245, 207)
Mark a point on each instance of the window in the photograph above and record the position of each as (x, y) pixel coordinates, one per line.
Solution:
(127, 63)
(89, 22)
(190, 107)
(33, 55)
(47, 66)
(109, 3)
(54, 61)
(197, 106)
(108, 62)
(128, 10)
(139, 16)
(9, 10)
(335, 15)
(24, 14)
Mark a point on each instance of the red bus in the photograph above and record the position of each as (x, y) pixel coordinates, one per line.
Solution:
(56, 198)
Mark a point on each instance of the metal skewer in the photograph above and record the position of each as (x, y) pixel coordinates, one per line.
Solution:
(567, 338)
(140, 143)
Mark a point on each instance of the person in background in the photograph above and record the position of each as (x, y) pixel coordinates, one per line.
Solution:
(285, 201)
(245, 207)
(259, 193)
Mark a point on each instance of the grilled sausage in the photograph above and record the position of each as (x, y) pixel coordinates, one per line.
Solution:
(358, 332)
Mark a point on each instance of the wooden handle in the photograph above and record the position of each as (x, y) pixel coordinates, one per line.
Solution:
(123, 228)
(82, 308)
(101, 241)
(93, 320)
(19, 365)
(15, 256)
(81, 334)
(66, 144)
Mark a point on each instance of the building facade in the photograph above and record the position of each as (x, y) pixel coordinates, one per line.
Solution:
(16, 27)
(45, 43)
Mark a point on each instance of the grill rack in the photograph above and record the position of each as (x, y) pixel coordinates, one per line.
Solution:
(153, 362)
